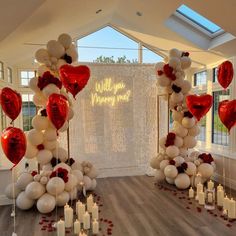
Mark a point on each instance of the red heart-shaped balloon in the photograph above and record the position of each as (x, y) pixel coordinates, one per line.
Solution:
(57, 109)
(227, 113)
(74, 78)
(225, 74)
(11, 102)
(13, 144)
(199, 105)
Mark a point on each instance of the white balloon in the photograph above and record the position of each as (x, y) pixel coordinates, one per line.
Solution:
(23, 180)
(62, 198)
(176, 97)
(44, 156)
(62, 165)
(50, 134)
(182, 181)
(60, 63)
(72, 51)
(23, 202)
(31, 151)
(60, 153)
(159, 176)
(65, 40)
(94, 184)
(73, 194)
(174, 62)
(71, 183)
(206, 170)
(162, 142)
(78, 174)
(55, 186)
(40, 122)
(55, 49)
(42, 69)
(186, 87)
(10, 193)
(46, 203)
(190, 142)
(178, 116)
(191, 170)
(172, 151)
(170, 181)
(47, 167)
(35, 137)
(42, 55)
(188, 122)
(159, 66)
(183, 152)
(185, 62)
(92, 173)
(178, 141)
(170, 171)
(44, 180)
(163, 164)
(39, 99)
(50, 89)
(180, 131)
(33, 84)
(37, 177)
(34, 190)
(71, 113)
(155, 163)
(77, 166)
(194, 155)
(64, 127)
(178, 160)
(50, 145)
(163, 81)
(194, 131)
(87, 182)
(175, 53)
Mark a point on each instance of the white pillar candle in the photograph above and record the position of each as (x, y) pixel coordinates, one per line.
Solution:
(77, 206)
(210, 185)
(220, 196)
(95, 211)
(201, 198)
(60, 228)
(199, 188)
(210, 197)
(90, 203)
(82, 233)
(76, 227)
(68, 211)
(191, 193)
(226, 203)
(95, 227)
(232, 209)
(86, 220)
(220, 187)
(81, 211)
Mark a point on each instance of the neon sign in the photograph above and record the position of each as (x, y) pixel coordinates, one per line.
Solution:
(109, 93)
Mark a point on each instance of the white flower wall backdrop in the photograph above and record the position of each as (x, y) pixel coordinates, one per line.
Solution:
(118, 136)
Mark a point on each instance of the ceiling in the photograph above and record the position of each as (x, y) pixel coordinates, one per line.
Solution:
(37, 21)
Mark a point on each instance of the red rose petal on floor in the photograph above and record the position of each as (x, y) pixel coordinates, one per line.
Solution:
(100, 229)
(67, 231)
(199, 209)
(105, 220)
(229, 225)
(109, 233)
(187, 207)
(43, 229)
(215, 215)
(101, 219)
(41, 223)
(111, 225)
(99, 211)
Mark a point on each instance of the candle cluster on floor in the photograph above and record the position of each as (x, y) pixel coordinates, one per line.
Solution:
(189, 198)
(87, 218)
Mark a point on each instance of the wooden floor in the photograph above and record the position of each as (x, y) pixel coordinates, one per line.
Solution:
(136, 207)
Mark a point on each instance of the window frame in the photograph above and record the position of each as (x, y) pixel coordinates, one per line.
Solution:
(28, 78)
(9, 75)
(195, 78)
(1, 70)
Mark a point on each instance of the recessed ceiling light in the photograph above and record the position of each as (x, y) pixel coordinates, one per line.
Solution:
(98, 11)
(138, 13)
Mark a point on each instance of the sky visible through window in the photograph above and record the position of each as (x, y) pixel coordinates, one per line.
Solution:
(109, 38)
(199, 19)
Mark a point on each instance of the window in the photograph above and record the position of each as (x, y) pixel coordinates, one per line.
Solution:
(219, 131)
(200, 78)
(215, 71)
(9, 74)
(28, 111)
(202, 126)
(198, 19)
(150, 56)
(107, 46)
(1, 70)
(3, 119)
(25, 77)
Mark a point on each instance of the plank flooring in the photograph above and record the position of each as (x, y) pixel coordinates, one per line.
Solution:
(137, 208)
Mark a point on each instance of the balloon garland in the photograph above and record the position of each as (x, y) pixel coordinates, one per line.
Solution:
(60, 176)
(176, 163)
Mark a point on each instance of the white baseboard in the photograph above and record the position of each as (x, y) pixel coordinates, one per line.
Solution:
(4, 200)
(228, 182)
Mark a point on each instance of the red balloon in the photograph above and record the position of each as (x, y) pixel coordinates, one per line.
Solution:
(74, 78)
(11, 102)
(13, 144)
(225, 74)
(227, 113)
(199, 105)
(57, 109)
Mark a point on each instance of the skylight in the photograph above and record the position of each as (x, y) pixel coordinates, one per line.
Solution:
(198, 19)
